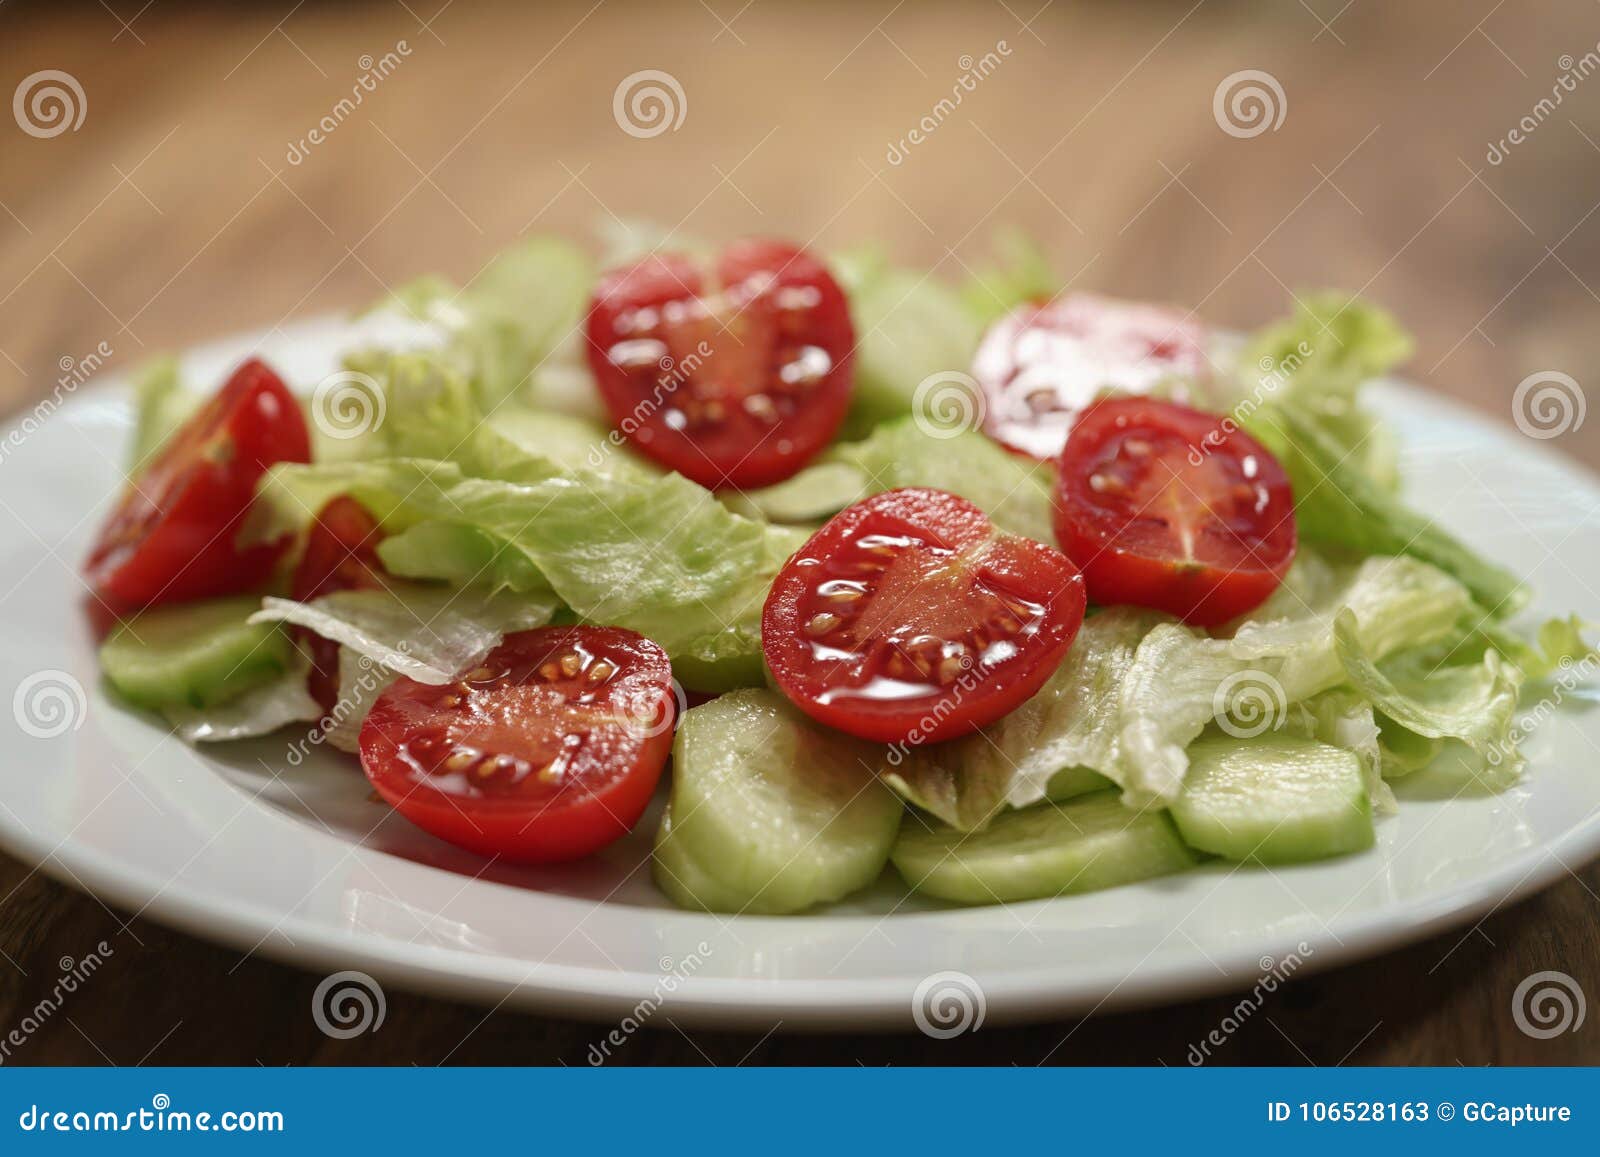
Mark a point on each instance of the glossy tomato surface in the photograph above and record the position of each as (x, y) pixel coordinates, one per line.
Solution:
(341, 554)
(171, 536)
(1040, 366)
(734, 371)
(547, 751)
(907, 618)
(1167, 507)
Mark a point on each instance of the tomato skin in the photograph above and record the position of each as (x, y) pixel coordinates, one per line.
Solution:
(529, 764)
(908, 619)
(734, 372)
(171, 536)
(1206, 539)
(341, 554)
(1045, 362)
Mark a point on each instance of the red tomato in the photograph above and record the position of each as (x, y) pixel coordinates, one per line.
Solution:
(907, 618)
(1167, 507)
(733, 372)
(341, 555)
(171, 536)
(1040, 366)
(547, 751)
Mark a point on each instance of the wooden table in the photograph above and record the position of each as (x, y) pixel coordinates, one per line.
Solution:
(174, 213)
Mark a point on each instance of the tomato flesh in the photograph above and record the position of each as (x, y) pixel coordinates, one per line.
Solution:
(171, 536)
(341, 554)
(1041, 365)
(547, 751)
(734, 372)
(1167, 507)
(907, 618)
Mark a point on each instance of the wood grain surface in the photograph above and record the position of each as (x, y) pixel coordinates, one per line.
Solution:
(175, 213)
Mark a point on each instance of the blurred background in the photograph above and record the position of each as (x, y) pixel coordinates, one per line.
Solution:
(179, 171)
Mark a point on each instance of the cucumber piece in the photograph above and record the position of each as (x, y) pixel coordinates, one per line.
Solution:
(1275, 799)
(780, 813)
(1089, 843)
(682, 877)
(195, 655)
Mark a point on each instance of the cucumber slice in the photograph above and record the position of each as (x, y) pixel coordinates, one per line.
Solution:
(682, 877)
(1275, 799)
(781, 814)
(195, 655)
(1089, 843)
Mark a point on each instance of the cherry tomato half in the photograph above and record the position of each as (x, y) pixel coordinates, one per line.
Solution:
(171, 537)
(341, 555)
(733, 372)
(547, 751)
(1041, 365)
(1167, 507)
(907, 618)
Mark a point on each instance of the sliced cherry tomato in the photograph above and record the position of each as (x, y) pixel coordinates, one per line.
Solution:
(733, 372)
(341, 555)
(171, 537)
(1167, 507)
(1041, 365)
(907, 618)
(547, 751)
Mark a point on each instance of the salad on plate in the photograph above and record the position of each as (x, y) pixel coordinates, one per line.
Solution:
(1021, 591)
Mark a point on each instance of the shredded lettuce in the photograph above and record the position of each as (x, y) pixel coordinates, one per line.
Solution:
(161, 403)
(1019, 273)
(1337, 504)
(1013, 491)
(259, 711)
(1474, 704)
(1330, 346)
(430, 634)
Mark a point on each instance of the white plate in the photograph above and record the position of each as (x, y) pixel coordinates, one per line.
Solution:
(295, 862)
